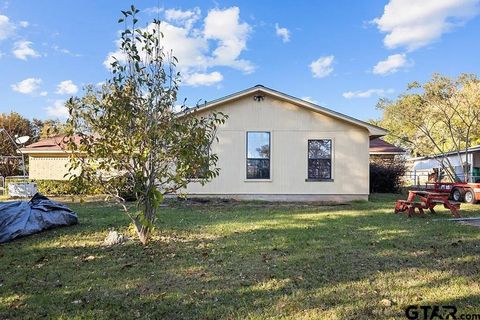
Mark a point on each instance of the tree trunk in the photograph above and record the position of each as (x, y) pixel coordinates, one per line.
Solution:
(143, 233)
(144, 226)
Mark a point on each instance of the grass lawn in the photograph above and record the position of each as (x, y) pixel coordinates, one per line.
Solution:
(247, 260)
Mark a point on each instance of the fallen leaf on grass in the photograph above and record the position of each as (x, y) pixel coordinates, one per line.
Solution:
(386, 303)
(89, 258)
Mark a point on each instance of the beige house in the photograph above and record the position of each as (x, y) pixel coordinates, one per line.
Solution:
(273, 146)
(47, 159)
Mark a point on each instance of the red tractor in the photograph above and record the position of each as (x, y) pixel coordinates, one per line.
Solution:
(459, 191)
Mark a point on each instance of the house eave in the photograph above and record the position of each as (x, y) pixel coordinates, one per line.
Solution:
(26, 151)
(374, 131)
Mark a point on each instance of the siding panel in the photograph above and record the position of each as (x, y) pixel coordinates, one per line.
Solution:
(291, 126)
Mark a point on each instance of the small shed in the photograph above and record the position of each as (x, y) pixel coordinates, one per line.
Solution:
(381, 150)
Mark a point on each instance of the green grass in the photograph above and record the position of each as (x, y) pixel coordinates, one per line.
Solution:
(249, 260)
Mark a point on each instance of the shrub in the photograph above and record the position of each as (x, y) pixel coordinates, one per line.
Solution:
(386, 176)
(66, 187)
(61, 187)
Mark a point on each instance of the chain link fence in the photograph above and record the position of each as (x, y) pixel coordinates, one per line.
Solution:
(17, 186)
(422, 179)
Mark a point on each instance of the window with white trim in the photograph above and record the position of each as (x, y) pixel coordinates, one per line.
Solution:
(258, 155)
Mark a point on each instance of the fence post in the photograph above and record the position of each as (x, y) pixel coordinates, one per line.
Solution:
(2, 186)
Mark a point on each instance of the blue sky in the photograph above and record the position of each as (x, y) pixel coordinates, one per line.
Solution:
(343, 55)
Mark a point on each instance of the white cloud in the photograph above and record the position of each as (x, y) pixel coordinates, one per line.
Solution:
(175, 14)
(112, 56)
(391, 65)
(219, 41)
(310, 99)
(203, 79)
(7, 28)
(24, 24)
(366, 93)
(190, 50)
(322, 67)
(186, 18)
(65, 51)
(27, 86)
(153, 10)
(57, 109)
(22, 50)
(44, 93)
(283, 33)
(66, 87)
(231, 34)
(413, 24)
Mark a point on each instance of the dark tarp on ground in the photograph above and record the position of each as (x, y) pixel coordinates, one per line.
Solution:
(22, 218)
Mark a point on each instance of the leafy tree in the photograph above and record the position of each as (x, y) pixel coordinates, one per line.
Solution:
(442, 115)
(132, 137)
(48, 128)
(15, 125)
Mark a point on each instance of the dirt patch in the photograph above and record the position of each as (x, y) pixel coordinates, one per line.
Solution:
(222, 202)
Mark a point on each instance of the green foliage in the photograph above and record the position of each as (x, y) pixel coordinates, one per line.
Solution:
(15, 125)
(386, 176)
(131, 132)
(48, 128)
(57, 187)
(441, 115)
(245, 260)
(63, 187)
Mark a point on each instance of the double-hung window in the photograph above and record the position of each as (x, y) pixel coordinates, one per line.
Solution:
(258, 155)
(320, 159)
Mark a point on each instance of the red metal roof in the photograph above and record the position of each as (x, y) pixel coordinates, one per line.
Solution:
(381, 146)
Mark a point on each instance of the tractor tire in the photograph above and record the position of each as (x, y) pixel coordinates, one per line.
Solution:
(458, 194)
(469, 196)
